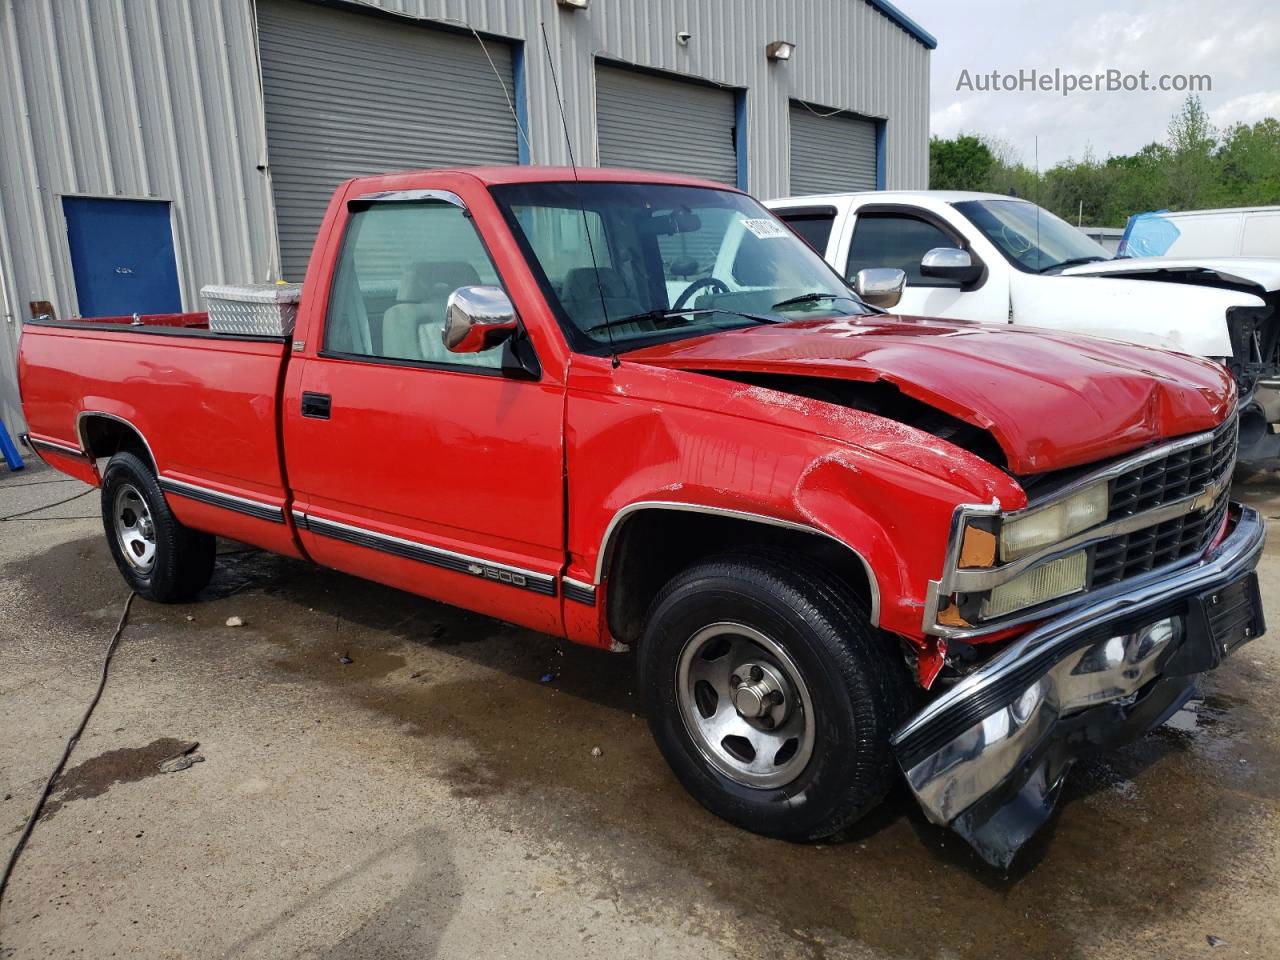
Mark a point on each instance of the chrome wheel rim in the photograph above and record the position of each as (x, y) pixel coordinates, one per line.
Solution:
(135, 531)
(745, 705)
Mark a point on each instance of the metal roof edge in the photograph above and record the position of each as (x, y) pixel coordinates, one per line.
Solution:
(905, 22)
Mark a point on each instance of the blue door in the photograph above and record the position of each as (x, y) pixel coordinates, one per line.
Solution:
(122, 256)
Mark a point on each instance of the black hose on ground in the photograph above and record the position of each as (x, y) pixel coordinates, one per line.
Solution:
(49, 506)
(66, 753)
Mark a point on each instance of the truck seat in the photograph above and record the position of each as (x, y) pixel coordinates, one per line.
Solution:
(411, 329)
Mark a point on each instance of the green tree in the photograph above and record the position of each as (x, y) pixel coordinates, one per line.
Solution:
(1136, 182)
(959, 164)
(1077, 190)
(1249, 165)
(1190, 168)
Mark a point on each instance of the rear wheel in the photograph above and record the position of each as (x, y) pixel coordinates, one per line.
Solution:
(161, 559)
(771, 695)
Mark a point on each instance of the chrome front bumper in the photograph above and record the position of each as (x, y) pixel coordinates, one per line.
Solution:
(989, 755)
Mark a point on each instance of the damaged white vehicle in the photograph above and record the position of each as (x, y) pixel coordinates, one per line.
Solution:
(981, 256)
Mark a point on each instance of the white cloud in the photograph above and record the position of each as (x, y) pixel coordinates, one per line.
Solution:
(1247, 108)
(1237, 45)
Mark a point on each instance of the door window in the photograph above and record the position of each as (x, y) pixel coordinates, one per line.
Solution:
(398, 265)
(896, 240)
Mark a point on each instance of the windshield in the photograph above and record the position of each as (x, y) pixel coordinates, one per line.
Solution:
(1031, 237)
(618, 260)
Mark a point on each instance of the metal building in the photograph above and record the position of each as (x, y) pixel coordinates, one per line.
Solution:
(150, 147)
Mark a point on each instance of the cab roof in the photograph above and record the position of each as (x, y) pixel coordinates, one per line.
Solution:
(529, 173)
(916, 196)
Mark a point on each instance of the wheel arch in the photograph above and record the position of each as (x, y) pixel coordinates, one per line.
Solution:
(648, 542)
(103, 434)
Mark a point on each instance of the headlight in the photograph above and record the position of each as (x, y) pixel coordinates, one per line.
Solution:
(1051, 524)
(1051, 580)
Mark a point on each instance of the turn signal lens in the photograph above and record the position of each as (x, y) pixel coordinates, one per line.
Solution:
(1057, 578)
(1054, 523)
(977, 549)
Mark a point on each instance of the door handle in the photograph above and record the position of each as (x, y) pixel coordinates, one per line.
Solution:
(316, 405)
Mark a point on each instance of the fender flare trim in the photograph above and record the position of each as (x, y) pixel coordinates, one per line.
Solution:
(605, 554)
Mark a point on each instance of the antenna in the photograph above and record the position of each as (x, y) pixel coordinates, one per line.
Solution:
(586, 226)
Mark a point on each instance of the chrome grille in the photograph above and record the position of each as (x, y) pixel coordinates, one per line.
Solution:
(1173, 477)
(1154, 484)
(1132, 553)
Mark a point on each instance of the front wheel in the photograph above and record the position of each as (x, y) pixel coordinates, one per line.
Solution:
(161, 559)
(770, 694)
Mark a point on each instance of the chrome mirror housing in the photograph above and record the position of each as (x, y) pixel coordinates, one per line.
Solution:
(950, 263)
(880, 286)
(477, 319)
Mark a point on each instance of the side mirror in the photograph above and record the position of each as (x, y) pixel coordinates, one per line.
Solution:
(880, 286)
(477, 319)
(949, 263)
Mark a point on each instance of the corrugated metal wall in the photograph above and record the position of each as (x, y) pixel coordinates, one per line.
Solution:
(162, 98)
(128, 98)
(848, 56)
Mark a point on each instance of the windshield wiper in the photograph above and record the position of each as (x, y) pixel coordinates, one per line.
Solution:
(814, 298)
(653, 316)
(1073, 262)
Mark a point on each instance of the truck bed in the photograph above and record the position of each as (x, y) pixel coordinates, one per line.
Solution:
(205, 405)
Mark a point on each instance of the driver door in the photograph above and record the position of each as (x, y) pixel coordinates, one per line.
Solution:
(436, 472)
(899, 237)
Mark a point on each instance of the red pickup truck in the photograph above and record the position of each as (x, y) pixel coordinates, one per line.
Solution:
(635, 410)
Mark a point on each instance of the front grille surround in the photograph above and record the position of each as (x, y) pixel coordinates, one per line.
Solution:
(1158, 482)
(1177, 475)
(1167, 505)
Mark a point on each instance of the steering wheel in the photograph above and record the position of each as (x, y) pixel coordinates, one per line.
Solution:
(719, 285)
(1016, 243)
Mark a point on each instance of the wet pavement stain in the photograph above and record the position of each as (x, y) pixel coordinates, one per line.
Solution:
(898, 884)
(97, 775)
(1141, 835)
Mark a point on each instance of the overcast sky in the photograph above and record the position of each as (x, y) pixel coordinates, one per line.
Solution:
(1237, 43)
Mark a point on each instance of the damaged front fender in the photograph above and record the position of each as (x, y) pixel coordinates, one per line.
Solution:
(989, 756)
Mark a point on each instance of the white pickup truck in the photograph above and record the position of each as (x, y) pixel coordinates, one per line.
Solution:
(981, 256)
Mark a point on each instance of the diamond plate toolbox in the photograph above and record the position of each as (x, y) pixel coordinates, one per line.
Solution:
(253, 309)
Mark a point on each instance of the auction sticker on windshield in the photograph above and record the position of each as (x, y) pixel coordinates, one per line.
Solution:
(766, 228)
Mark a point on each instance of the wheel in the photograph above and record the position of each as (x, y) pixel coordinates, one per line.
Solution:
(158, 557)
(771, 695)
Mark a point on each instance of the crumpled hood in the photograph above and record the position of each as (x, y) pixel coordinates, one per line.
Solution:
(1261, 272)
(1051, 400)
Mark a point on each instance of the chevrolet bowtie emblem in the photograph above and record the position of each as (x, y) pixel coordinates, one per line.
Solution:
(1209, 495)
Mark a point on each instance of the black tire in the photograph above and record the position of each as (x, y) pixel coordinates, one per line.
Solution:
(182, 563)
(855, 676)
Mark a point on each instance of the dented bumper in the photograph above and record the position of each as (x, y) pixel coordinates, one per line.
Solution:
(988, 757)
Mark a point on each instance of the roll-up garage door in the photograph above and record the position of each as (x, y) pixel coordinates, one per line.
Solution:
(656, 123)
(831, 154)
(348, 94)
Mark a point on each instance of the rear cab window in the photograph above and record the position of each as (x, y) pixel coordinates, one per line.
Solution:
(813, 226)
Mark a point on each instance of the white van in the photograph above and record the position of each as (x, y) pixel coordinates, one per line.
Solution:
(1231, 232)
